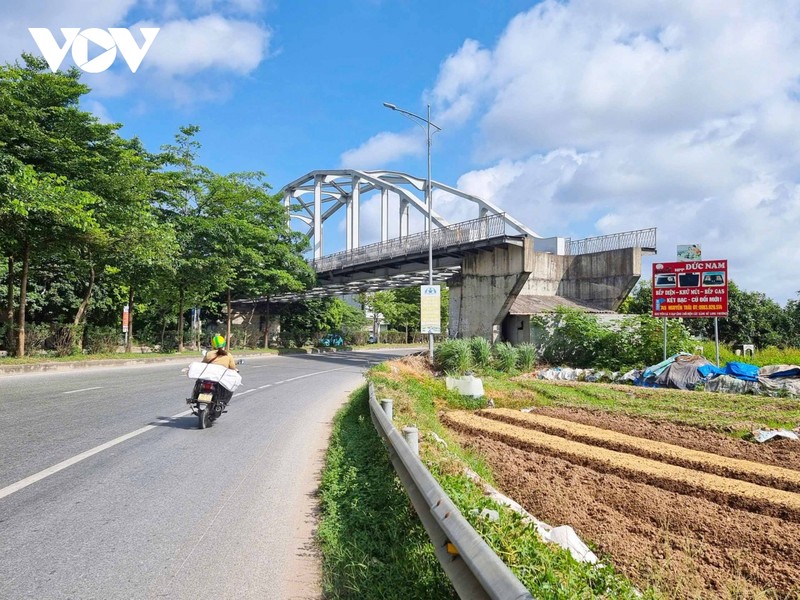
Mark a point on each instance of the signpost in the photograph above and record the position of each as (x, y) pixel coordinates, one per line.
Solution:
(125, 323)
(430, 309)
(690, 289)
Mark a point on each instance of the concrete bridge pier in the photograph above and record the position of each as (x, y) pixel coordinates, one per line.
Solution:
(499, 289)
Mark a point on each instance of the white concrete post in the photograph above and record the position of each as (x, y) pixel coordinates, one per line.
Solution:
(386, 405)
(411, 436)
(318, 217)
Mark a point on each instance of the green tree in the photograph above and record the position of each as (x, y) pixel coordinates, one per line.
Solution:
(248, 228)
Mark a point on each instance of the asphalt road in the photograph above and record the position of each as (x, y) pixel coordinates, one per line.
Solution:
(109, 490)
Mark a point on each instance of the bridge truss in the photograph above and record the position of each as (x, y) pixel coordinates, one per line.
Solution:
(315, 197)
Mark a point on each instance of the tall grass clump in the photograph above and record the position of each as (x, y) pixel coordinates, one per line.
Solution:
(526, 357)
(505, 357)
(481, 352)
(453, 356)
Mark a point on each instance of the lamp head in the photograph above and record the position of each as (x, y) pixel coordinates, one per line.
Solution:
(388, 105)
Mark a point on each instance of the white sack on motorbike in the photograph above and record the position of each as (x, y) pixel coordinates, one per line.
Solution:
(227, 378)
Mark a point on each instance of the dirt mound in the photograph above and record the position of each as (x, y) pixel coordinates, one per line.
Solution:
(690, 533)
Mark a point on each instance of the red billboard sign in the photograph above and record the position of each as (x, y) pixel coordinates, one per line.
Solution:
(690, 288)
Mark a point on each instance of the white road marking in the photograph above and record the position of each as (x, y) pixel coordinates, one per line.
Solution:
(99, 387)
(23, 483)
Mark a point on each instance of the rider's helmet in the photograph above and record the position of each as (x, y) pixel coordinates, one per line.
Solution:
(217, 342)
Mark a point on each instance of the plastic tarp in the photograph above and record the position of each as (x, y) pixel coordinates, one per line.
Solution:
(227, 378)
(683, 373)
(710, 370)
(763, 386)
(776, 371)
(658, 375)
(742, 370)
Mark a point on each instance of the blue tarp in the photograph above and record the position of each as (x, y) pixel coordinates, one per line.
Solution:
(742, 370)
(710, 370)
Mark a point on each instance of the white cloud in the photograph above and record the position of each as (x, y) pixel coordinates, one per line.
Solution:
(99, 111)
(384, 148)
(17, 17)
(598, 116)
(184, 47)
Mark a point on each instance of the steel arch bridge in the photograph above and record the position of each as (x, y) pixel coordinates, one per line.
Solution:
(319, 195)
(402, 261)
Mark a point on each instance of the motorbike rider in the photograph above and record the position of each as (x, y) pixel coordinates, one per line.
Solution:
(220, 356)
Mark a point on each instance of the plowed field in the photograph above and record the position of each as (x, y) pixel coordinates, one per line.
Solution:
(694, 513)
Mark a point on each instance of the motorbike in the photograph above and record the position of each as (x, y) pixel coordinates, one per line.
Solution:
(213, 389)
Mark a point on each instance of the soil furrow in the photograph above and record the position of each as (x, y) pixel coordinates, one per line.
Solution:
(733, 492)
(688, 547)
(758, 473)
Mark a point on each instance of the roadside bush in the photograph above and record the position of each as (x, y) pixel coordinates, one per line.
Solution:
(393, 337)
(505, 357)
(101, 340)
(571, 337)
(453, 356)
(639, 340)
(356, 338)
(526, 357)
(35, 337)
(65, 339)
(481, 351)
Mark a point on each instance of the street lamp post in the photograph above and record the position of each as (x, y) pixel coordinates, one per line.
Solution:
(428, 194)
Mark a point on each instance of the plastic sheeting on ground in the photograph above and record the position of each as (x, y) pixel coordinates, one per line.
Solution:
(678, 371)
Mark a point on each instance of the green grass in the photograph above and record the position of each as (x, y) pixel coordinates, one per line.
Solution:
(373, 544)
(762, 356)
(734, 414)
(546, 570)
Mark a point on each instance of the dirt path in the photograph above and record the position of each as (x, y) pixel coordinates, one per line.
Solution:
(692, 533)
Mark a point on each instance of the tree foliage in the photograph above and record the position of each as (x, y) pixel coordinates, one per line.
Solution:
(93, 221)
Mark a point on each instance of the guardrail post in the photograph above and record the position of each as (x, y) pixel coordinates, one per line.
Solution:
(386, 405)
(411, 436)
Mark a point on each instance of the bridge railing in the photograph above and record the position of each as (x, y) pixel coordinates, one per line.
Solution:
(642, 238)
(454, 235)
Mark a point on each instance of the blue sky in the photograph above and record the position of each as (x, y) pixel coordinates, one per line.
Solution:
(579, 117)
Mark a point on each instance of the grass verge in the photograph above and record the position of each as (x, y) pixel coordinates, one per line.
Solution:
(372, 542)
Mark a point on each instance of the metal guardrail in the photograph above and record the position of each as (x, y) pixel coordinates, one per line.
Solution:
(642, 238)
(475, 230)
(475, 571)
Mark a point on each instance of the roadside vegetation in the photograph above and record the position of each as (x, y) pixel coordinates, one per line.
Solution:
(354, 561)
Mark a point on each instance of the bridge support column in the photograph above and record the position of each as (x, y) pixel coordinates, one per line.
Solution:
(318, 217)
(403, 218)
(287, 203)
(384, 215)
(355, 201)
(490, 282)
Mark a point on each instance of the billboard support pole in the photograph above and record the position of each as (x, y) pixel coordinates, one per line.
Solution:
(716, 337)
(665, 338)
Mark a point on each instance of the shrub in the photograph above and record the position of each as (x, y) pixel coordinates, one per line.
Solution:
(526, 357)
(101, 340)
(35, 337)
(453, 356)
(65, 339)
(571, 337)
(481, 351)
(505, 357)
